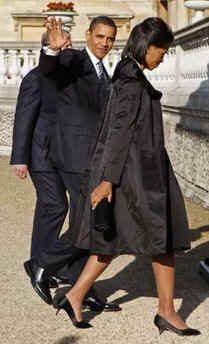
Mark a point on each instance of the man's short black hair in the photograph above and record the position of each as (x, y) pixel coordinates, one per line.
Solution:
(102, 20)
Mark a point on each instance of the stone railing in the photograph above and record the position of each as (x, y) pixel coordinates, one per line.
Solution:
(18, 58)
(183, 78)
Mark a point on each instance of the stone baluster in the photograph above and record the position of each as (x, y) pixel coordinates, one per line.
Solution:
(111, 60)
(13, 68)
(26, 65)
(171, 70)
(204, 66)
(31, 60)
(114, 58)
(184, 65)
(36, 53)
(3, 68)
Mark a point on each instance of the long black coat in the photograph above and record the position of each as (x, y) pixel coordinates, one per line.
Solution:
(149, 210)
(81, 97)
(34, 119)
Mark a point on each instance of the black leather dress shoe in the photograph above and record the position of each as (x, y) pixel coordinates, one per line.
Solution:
(30, 269)
(62, 281)
(39, 280)
(94, 304)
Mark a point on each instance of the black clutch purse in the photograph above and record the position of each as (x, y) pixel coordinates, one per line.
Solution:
(103, 216)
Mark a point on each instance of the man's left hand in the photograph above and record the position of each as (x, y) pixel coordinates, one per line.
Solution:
(21, 170)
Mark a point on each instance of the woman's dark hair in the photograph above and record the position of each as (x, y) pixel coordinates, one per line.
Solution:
(152, 31)
(102, 20)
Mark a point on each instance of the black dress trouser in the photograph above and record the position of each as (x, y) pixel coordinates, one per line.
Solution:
(49, 249)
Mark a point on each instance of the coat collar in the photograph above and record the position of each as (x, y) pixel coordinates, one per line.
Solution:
(128, 69)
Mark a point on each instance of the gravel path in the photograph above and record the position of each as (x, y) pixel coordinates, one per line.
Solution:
(25, 319)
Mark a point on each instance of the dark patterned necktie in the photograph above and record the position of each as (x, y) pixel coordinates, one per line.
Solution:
(101, 71)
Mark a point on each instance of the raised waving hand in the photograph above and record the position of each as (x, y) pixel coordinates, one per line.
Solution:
(57, 38)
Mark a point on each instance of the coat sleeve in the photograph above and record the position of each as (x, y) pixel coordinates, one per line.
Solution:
(57, 66)
(26, 114)
(124, 116)
(48, 64)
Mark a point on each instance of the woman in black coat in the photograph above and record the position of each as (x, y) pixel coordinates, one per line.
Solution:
(130, 167)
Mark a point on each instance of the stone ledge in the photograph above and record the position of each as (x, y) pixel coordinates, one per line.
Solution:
(189, 119)
(194, 192)
(5, 151)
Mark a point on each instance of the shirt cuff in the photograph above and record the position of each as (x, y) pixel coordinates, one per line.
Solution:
(51, 52)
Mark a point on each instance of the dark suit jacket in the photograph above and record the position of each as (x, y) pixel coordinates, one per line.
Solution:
(34, 120)
(81, 96)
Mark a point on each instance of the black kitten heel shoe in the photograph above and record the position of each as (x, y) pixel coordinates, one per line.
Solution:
(164, 325)
(66, 306)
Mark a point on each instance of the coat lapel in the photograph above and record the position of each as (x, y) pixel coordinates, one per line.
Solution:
(88, 67)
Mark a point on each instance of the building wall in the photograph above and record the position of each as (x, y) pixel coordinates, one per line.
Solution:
(172, 10)
(140, 9)
(188, 150)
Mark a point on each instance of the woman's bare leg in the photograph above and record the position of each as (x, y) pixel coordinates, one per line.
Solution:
(164, 271)
(92, 270)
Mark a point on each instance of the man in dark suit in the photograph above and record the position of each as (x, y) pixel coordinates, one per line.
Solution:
(34, 120)
(82, 90)
(34, 123)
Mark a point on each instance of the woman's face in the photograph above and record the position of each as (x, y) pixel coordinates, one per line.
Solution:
(154, 56)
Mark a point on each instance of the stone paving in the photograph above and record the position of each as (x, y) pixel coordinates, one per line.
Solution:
(25, 319)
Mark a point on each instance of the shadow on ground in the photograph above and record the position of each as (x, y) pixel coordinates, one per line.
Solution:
(67, 340)
(136, 279)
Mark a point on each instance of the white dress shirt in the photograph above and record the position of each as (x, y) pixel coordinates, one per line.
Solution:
(94, 60)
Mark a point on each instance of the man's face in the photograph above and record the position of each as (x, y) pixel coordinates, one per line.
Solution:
(100, 40)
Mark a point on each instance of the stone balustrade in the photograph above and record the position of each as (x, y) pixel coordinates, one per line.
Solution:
(183, 78)
(18, 58)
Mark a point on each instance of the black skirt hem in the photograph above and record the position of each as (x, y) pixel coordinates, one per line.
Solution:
(136, 253)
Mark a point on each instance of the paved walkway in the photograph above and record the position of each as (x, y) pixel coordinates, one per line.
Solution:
(25, 319)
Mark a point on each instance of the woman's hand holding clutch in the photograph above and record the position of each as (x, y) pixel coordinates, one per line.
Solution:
(102, 214)
(103, 190)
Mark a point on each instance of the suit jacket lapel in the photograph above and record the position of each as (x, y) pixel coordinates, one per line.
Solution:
(89, 67)
(87, 64)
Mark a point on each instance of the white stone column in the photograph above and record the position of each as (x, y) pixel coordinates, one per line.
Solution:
(26, 65)
(13, 68)
(37, 56)
(199, 6)
(172, 13)
(3, 68)
(162, 10)
(182, 15)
